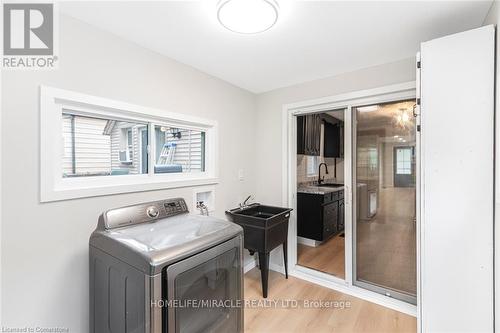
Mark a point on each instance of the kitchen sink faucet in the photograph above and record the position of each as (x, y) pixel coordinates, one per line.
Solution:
(320, 180)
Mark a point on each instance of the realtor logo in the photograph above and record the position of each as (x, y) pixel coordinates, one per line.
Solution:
(28, 35)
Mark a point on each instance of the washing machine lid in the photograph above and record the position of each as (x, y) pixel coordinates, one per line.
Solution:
(150, 245)
(168, 233)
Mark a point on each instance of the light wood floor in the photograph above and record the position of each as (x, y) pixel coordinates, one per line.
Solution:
(360, 317)
(386, 245)
(328, 257)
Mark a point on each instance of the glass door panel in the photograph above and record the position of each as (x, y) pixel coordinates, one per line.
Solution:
(321, 240)
(385, 199)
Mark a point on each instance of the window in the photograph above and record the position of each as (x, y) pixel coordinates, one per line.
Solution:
(100, 147)
(403, 161)
(179, 150)
(367, 161)
(312, 165)
(372, 158)
(111, 147)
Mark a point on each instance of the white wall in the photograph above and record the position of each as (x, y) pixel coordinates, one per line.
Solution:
(45, 246)
(269, 119)
(493, 17)
(1, 199)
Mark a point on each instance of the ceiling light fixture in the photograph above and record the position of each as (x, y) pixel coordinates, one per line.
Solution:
(247, 16)
(402, 118)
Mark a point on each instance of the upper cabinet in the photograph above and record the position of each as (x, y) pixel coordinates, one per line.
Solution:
(309, 135)
(333, 145)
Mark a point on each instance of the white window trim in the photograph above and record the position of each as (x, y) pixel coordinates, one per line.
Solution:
(54, 187)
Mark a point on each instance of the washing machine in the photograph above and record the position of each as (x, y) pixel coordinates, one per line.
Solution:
(155, 268)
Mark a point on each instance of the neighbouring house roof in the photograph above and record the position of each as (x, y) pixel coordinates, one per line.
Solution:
(110, 124)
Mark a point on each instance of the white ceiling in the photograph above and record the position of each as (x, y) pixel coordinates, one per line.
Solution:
(312, 39)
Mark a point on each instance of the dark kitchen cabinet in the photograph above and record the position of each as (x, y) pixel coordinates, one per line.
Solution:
(334, 140)
(341, 216)
(309, 135)
(318, 215)
(330, 219)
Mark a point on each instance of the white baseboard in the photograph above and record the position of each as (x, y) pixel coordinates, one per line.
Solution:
(308, 242)
(277, 268)
(272, 266)
(249, 265)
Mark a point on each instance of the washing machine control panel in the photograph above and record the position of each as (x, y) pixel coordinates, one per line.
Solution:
(142, 213)
(175, 207)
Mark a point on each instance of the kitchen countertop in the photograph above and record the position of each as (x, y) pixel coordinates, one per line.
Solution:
(315, 189)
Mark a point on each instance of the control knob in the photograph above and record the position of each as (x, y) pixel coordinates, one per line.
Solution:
(152, 211)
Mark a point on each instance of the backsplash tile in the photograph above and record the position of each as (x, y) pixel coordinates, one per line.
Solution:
(302, 177)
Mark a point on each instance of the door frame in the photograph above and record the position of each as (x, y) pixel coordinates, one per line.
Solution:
(389, 93)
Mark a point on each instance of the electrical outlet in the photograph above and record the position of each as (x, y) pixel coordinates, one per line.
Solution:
(241, 175)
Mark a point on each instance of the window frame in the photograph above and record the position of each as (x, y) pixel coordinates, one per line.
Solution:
(54, 187)
(129, 145)
(406, 164)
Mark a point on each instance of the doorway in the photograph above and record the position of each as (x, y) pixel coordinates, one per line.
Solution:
(369, 204)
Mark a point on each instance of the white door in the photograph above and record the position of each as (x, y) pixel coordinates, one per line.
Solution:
(457, 155)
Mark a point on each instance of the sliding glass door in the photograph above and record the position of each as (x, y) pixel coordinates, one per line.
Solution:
(384, 199)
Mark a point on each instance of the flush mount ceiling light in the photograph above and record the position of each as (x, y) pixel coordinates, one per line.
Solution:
(247, 16)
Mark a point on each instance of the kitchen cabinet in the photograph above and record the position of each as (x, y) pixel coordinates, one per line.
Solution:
(341, 215)
(334, 140)
(309, 135)
(319, 216)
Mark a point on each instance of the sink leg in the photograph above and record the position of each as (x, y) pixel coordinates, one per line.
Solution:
(264, 271)
(285, 257)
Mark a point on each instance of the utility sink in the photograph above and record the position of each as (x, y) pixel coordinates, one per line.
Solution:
(264, 229)
(257, 214)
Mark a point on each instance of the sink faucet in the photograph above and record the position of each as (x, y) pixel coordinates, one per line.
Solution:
(244, 204)
(320, 180)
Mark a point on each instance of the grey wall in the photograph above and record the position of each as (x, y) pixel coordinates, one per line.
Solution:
(44, 246)
(269, 119)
